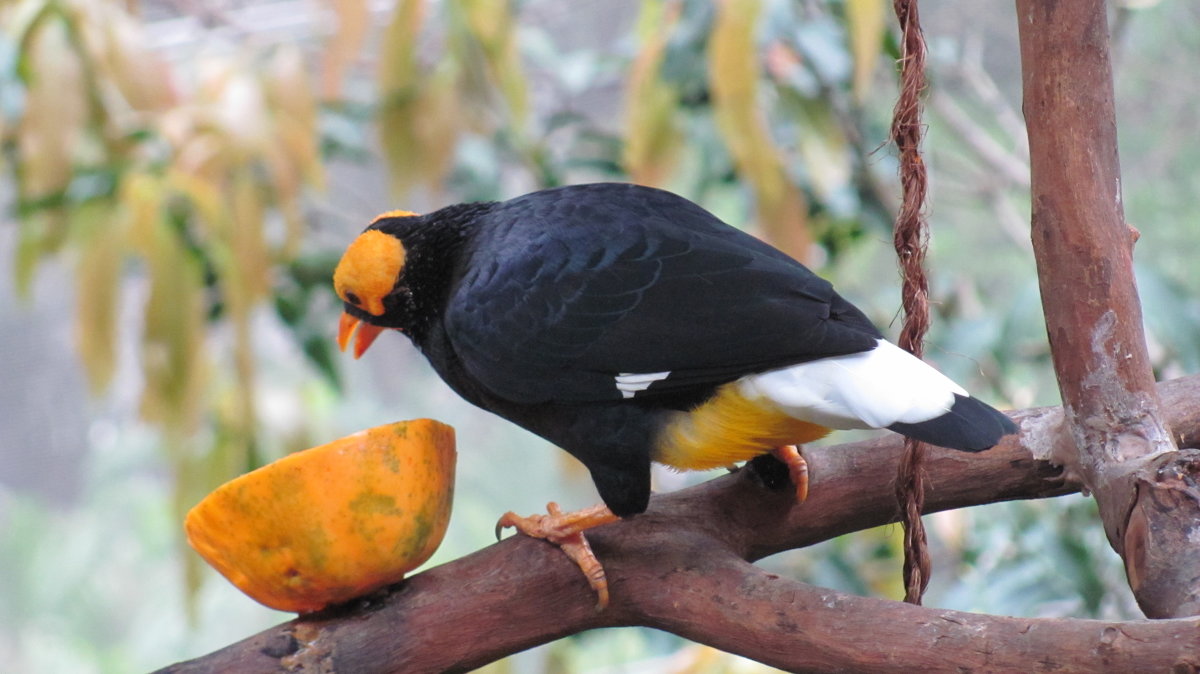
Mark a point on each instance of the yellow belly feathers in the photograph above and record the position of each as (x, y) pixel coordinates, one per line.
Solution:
(729, 428)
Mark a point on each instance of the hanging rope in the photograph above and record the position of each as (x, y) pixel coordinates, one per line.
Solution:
(911, 238)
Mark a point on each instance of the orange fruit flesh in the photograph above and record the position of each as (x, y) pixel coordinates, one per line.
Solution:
(334, 522)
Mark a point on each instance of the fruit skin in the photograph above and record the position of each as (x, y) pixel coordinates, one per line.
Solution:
(334, 522)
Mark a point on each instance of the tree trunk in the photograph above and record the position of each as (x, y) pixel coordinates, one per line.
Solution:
(1146, 490)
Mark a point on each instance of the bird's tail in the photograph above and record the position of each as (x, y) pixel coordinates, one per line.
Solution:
(884, 387)
(970, 425)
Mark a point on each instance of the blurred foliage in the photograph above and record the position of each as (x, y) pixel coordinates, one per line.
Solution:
(119, 165)
(200, 181)
(194, 178)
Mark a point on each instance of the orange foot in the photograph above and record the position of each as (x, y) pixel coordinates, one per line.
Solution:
(566, 531)
(797, 468)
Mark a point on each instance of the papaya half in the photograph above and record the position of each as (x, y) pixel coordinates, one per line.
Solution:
(334, 522)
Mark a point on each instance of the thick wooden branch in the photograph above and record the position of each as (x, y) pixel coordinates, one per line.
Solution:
(1147, 493)
(683, 567)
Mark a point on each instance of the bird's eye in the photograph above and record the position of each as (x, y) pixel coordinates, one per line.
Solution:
(353, 299)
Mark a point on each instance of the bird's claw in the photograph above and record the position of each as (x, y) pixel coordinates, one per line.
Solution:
(566, 531)
(797, 469)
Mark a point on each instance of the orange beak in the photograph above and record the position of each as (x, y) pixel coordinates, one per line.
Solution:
(348, 326)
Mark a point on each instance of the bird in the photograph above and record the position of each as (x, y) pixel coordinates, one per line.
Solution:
(628, 325)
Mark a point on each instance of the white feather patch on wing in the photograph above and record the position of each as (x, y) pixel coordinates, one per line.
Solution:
(629, 383)
(871, 389)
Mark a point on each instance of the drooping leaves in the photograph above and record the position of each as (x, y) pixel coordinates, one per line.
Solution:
(353, 20)
(652, 133)
(734, 79)
(866, 26)
(419, 105)
(97, 291)
(121, 164)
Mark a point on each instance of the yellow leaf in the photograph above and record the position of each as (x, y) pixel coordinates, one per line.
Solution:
(734, 76)
(232, 215)
(290, 97)
(141, 197)
(652, 139)
(399, 82)
(173, 337)
(28, 254)
(436, 123)
(40, 233)
(400, 145)
(398, 57)
(21, 17)
(491, 25)
(289, 88)
(251, 258)
(204, 194)
(55, 112)
(353, 17)
(418, 130)
(97, 288)
(298, 143)
(242, 260)
(291, 159)
(142, 76)
(866, 21)
(733, 54)
(294, 225)
(125, 76)
(284, 171)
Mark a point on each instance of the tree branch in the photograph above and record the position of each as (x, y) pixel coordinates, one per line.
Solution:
(1148, 493)
(682, 567)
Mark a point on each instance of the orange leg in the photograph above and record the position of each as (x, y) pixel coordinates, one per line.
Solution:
(797, 468)
(566, 531)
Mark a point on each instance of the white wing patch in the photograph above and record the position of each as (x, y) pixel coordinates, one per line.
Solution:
(871, 389)
(630, 383)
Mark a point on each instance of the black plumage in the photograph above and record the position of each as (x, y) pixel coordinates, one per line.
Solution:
(536, 307)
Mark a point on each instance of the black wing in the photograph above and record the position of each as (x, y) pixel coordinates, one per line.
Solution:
(569, 289)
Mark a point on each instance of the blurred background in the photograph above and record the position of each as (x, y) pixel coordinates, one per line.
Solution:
(181, 176)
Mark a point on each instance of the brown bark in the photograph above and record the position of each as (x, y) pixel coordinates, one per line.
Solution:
(1147, 492)
(682, 567)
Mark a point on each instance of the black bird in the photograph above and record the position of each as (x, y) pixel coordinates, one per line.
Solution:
(628, 325)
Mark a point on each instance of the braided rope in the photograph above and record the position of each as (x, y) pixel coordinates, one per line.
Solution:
(911, 239)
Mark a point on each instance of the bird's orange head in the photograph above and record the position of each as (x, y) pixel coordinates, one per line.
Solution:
(367, 273)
